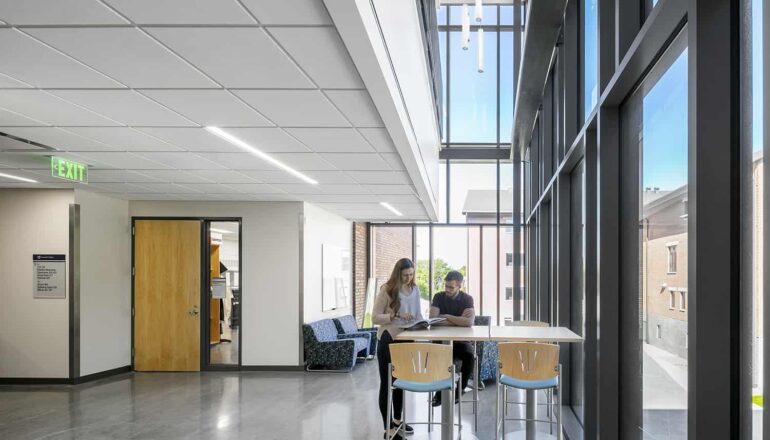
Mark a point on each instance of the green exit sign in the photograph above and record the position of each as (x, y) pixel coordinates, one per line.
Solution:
(69, 170)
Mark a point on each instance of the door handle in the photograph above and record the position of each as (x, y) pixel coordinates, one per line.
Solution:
(194, 311)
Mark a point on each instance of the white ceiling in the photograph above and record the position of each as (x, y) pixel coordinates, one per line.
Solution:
(127, 85)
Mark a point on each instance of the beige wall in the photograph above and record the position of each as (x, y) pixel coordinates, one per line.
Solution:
(34, 333)
(270, 304)
(105, 283)
(321, 228)
(658, 281)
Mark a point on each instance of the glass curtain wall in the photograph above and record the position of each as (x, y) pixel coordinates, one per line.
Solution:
(474, 233)
(655, 132)
(756, 168)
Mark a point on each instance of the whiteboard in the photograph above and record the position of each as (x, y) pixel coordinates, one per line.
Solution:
(336, 269)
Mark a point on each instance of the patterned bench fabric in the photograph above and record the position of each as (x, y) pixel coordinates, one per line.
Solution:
(486, 352)
(323, 348)
(346, 325)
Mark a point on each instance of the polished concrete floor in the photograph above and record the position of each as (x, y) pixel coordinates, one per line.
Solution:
(225, 353)
(217, 405)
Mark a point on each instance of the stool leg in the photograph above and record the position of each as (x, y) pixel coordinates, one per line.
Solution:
(430, 412)
(558, 407)
(403, 415)
(389, 415)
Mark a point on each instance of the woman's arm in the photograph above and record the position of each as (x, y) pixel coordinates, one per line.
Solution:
(380, 316)
(418, 307)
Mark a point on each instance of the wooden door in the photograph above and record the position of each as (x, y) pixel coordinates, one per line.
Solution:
(167, 290)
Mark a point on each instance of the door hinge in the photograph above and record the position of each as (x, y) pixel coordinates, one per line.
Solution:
(133, 230)
(132, 351)
(133, 271)
(133, 311)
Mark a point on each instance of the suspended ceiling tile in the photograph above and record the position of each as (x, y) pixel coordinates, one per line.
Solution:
(28, 160)
(294, 108)
(117, 176)
(125, 106)
(181, 160)
(6, 82)
(169, 188)
(357, 106)
(50, 109)
(58, 12)
(217, 108)
(394, 160)
(238, 161)
(312, 12)
(298, 188)
(356, 161)
(121, 160)
(9, 118)
(339, 140)
(304, 161)
(234, 57)
(191, 139)
(28, 60)
(57, 138)
(225, 177)
(379, 139)
(390, 189)
(321, 54)
(380, 177)
(124, 138)
(224, 12)
(177, 176)
(139, 62)
(254, 188)
(279, 176)
(269, 140)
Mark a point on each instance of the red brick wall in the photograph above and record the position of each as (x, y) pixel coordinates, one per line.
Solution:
(390, 245)
(360, 269)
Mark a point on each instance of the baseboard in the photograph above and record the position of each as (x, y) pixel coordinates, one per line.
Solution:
(272, 368)
(63, 381)
(573, 430)
(34, 381)
(102, 375)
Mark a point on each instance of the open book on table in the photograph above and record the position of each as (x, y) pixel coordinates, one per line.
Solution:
(420, 324)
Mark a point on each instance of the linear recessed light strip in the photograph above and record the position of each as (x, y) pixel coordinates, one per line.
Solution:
(266, 157)
(391, 209)
(220, 231)
(23, 179)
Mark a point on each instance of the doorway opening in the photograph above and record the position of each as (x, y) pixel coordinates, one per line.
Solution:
(224, 293)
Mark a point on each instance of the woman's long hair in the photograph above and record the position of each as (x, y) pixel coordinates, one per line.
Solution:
(393, 286)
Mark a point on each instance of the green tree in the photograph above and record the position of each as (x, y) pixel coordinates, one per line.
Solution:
(440, 269)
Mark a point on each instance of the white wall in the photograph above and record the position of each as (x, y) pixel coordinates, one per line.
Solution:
(270, 309)
(34, 333)
(321, 227)
(105, 283)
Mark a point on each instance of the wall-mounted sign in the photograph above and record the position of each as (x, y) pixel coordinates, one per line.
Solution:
(49, 276)
(69, 170)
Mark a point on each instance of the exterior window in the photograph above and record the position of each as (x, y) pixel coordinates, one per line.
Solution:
(509, 259)
(683, 300)
(671, 299)
(509, 293)
(671, 251)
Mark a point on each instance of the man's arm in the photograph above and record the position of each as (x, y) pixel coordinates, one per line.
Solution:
(434, 312)
(465, 320)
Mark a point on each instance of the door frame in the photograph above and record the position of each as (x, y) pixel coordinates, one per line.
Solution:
(204, 283)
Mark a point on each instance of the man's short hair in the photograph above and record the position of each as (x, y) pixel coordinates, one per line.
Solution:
(454, 275)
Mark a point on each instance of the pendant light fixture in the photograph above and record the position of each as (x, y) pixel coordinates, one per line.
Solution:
(480, 50)
(466, 29)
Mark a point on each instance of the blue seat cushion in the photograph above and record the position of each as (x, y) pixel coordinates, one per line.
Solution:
(360, 344)
(423, 387)
(529, 384)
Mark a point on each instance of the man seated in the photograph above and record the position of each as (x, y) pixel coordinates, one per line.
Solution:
(456, 307)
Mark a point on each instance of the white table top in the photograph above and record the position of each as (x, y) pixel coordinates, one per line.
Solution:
(446, 333)
(493, 333)
(533, 334)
